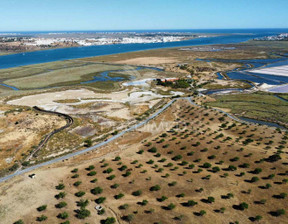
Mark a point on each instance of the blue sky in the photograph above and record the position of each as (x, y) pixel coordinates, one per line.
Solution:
(34, 15)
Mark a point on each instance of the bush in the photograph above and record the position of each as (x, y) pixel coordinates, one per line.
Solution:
(109, 170)
(163, 198)
(123, 207)
(109, 220)
(74, 170)
(280, 212)
(100, 200)
(215, 169)
(254, 179)
(176, 158)
(82, 213)
(137, 193)
(243, 206)
(122, 168)
(88, 143)
(75, 176)
(117, 158)
(144, 202)
(111, 177)
(41, 208)
(207, 165)
(171, 206)
(210, 199)
(118, 196)
(79, 193)
(97, 190)
(61, 204)
(41, 218)
(82, 203)
(128, 218)
(77, 183)
(114, 186)
(60, 187)
(202, 212)
(92, 173)
(63, 215)
(190, 203)
(91, 167)
(60, 195)
(94, 180)
(155, 188)
(20, 221)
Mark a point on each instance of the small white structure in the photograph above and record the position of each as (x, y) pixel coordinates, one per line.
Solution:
(98, 207)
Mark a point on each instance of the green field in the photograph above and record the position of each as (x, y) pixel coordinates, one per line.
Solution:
(58, 74)
(256, 105)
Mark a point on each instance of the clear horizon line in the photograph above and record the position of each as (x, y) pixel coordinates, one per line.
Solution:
(125, 30)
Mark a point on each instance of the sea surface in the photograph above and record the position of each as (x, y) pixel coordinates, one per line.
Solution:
(227, 36)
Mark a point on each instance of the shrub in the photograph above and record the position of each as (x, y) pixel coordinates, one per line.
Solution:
(74, 170)
(215, 169)
(282, 195)
(173, 183)
(122, 168)
(82, 203)
(155, 188)
(109, 220)
(60, 195)
(118, 196)
(190, 203)
(243, 206)
(114, 186)
(257, 171)
(41, 208)
(144, 202)
(76, 175)
(128, 218)
(163, 198)
(176, 158)
(60, 187)
(117, 158)
(111, 177)
(171, 206)
(152, 150)
(94, 180)
(206, 165)
(280, 212)
(232, 168)
(211, 199)
(92, 173)
(61, 204)
(63, 215)
(254, 179)
(123, 207)
(137, 193)
(82, 213)
(97, 190)
(79, 193)
(41, 218)
(20, 221)
(77, 183)
(202, 212)
(100, 200)
(91, 167)
(109, 170)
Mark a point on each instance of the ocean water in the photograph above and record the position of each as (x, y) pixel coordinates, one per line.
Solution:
(36, 57)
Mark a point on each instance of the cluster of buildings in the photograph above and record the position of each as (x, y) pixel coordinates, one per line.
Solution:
(40, 41)
(280, 37)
